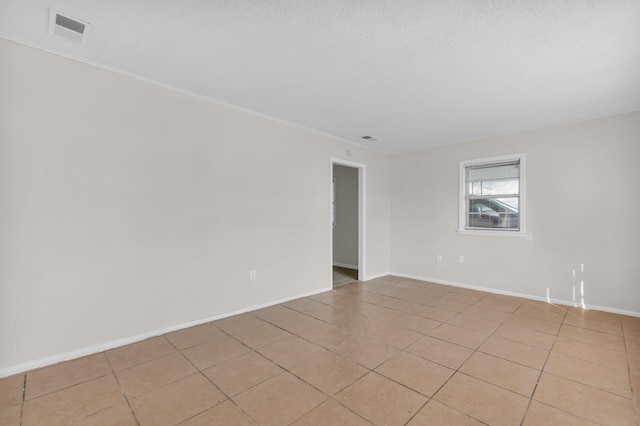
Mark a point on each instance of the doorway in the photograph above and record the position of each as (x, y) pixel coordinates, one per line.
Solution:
(347, 222)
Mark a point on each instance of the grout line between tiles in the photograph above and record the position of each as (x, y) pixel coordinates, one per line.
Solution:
(24, 394)
(124, 395)
(535, 387)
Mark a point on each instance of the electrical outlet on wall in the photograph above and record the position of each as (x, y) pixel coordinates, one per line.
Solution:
(439, 258)
(252, 275)
(461, 259)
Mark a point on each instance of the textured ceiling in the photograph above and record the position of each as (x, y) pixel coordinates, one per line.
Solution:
(411, 73)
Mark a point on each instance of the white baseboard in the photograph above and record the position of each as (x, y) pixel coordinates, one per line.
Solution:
(522, 295)
(101, 347)
(345, 265)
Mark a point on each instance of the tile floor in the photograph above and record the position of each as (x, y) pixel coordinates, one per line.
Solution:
(391, 351)
(342, 276)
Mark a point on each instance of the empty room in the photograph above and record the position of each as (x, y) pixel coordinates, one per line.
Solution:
(319, 213)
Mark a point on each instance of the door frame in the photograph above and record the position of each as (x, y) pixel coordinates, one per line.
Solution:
(362, 205)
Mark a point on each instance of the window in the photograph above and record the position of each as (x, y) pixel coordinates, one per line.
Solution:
(492, 196)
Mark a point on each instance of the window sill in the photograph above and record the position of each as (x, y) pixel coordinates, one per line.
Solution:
(513, 234)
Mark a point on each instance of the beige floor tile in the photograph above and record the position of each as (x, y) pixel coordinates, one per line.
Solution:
(468, 298)
(261, 336)
(374, 298)
(10, 415)
(598, 376)
(506, 374)
(535, 324)
(59, 376)
(238, 323)
(241, 373)
(328, 297)
(177, 401)
(635, 380)
(291, 351)
(633, 354)
(363, 322)
(330, 336)
(486, 313)
(137, 353)
(146, 377)
(393, 335)
(500, 303)
(593, 315)
(327, 313)
(72, 403)
(526, 336)
(280, 400)
(603, 340)
(542, 414)
(331, 413)
(416, 323)
(209, 354)
(302, 305)
(474, 323)
(591, 353)
(434, 313)
(329, 372)
(631, 327)
(460, 336)
(608, 327)
(483, 401)
(416, 373)
(405, 306)
(298, 323)
(632, 345)
(118, 415)
(519, 353)
(390, 290)
(545, 306)
(418, 296)
(440, 352)
(379, 313)
(223, 414)
(194, 336)
(584, 401)
(367, 352)
(381, 401)
(432, 292)
(275, 313)
(547, 315)
(448, 305)
(437, 414)
(11, 390)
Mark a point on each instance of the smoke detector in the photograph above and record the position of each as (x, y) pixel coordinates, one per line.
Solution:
(66, 27)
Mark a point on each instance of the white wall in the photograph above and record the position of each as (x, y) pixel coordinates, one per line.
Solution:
(582, 208)
(345, 233)
(127, 208)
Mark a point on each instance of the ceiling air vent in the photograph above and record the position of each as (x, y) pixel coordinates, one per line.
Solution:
(68, 28)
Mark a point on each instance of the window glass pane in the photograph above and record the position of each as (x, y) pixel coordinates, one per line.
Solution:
(493, 213)
(494, 187)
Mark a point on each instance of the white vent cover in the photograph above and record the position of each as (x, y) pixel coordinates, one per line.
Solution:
(68, 28)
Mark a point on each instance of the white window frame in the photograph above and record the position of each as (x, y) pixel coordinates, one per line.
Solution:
(493, 232)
